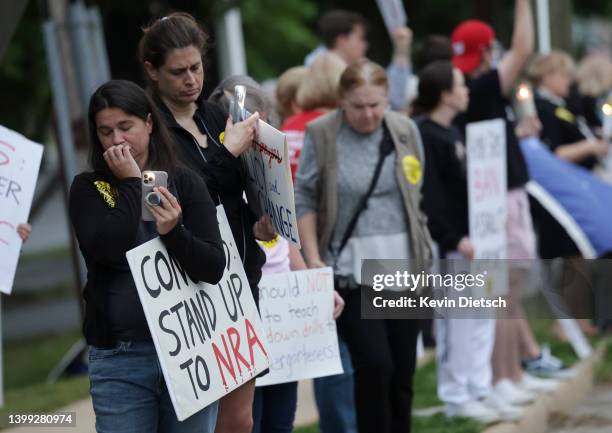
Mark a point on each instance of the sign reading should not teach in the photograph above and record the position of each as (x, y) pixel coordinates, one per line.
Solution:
(297, 313)
(209, 338)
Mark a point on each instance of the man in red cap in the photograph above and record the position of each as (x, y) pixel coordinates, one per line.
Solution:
(465, 375)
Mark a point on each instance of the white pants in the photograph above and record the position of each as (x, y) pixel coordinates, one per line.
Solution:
(464, 348)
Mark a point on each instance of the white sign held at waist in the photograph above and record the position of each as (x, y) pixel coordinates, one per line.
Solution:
(297, 314)
(209, 338)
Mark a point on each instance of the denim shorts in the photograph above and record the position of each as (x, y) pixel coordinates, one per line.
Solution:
(130, 396)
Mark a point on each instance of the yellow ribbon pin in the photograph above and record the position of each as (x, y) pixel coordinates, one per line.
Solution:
(412, 169)
(565, 115)
(106, 191)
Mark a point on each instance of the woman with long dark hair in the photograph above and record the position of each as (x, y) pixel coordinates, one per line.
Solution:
(127, 137)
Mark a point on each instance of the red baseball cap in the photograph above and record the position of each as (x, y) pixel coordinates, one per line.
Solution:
(469, 39)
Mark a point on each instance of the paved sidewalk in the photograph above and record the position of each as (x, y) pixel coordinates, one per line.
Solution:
(593, 415)
(85, 420)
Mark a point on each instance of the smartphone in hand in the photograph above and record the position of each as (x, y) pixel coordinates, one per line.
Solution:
(150, 180)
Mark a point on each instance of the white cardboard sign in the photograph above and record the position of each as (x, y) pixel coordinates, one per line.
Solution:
(209, 339)
(486, 167)
(394, 14)
(19, 164)
(297, 313)
(269, 185)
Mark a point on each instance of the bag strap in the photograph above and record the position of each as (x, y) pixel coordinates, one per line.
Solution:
(386, 147)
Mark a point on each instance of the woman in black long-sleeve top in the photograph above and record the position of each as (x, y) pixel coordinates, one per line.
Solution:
(127, 136)
(171, 51)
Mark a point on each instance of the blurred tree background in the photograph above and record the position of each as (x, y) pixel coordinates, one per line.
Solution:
(278, 34)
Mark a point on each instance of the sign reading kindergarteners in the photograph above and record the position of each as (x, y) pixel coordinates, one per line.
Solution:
(269, 184)
(19, 163)
(209, 339)
(297, 313)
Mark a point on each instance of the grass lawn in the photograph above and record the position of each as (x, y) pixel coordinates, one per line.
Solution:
(603, 372)
(425, 386)
(26, 366)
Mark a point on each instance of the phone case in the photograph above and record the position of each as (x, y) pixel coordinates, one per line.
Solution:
(151, 179)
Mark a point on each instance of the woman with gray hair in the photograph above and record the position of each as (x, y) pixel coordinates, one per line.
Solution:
(274, 406)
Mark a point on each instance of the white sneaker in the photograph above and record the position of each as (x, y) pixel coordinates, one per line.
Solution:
(506, 411)
(564, 374)
(512, 394)
(534, 384)
(474, 410)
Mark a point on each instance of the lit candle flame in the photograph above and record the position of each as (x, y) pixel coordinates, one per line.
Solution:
(523, 92)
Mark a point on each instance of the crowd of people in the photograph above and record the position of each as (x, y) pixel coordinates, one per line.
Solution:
(378, 160)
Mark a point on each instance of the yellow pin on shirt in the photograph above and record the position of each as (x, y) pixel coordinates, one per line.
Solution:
(269, 244)
(107, 192)
(565, 115)
(412, 169)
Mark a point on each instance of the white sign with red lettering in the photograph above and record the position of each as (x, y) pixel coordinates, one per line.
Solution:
(19, 164)
(486, 167)
(209, 338)
(297, 313)
(269, 184)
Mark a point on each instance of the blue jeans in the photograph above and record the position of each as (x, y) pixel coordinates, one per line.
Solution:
(274, 408)
(335, 397)
(130, 396)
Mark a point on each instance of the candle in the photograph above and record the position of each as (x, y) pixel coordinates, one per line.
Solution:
(607, 122)
(524, 97)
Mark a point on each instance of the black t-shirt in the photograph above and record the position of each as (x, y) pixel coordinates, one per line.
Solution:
(487, 102)
(583, 105)
(559, 127)
(445, 197)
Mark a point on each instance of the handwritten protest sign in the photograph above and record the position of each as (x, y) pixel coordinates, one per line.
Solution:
(393, 13)
(297, 313)
(269, 184)
(209, 339)
(19, 164)
(486, 166)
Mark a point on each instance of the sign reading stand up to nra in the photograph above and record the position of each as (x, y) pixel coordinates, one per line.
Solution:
(209, 338)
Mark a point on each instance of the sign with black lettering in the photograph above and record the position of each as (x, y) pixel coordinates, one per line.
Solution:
(297, 315)
(19, 164)
(209, 338)
(487, 191)
(269, 185)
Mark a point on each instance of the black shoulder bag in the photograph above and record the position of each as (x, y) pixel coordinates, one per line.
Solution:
(386, 147)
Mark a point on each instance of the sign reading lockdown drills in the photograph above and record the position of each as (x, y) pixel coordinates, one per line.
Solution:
(297, 315)
(268, 173)
(19, 163)
(209, 339)
(486, 167)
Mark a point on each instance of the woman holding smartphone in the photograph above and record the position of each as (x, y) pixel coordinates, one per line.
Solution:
(171, 51)
(127, 137)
